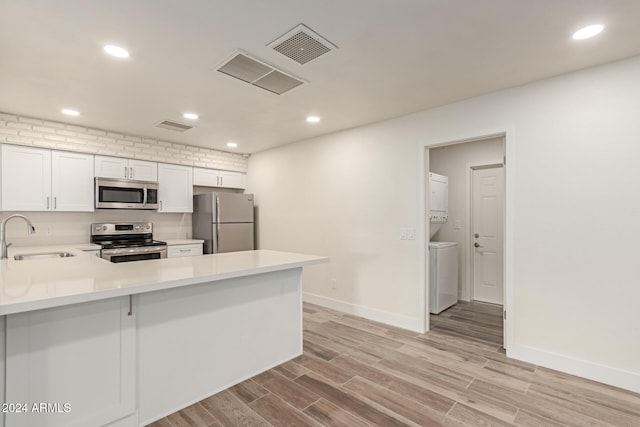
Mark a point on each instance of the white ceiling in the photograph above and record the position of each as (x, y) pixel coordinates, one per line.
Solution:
(394, 57)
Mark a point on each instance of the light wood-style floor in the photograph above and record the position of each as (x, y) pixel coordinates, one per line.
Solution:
(355, 372)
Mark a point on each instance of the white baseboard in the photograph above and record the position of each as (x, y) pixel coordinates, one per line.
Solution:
(410, 323)
(582, 368)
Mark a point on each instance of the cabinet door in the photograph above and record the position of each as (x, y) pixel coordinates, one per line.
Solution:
(80, 359)
(72, 181)
(231, 179)
(206, 177)
(26, 178)
(143, 170)
(175, 188)
(111, 167)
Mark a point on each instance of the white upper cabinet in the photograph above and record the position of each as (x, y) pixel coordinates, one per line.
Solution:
(119, 168)
(175, 188)
(72, 182)
(26, 178)
(37, 179)
(143, 170)
(218, 178)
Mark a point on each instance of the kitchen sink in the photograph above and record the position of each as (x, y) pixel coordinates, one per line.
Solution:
(43, 255)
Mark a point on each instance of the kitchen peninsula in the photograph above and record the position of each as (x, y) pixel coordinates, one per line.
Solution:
(125, 344)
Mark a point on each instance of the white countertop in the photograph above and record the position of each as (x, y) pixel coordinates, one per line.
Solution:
(35, 284)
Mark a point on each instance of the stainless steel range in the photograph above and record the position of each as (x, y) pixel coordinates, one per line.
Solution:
(127, 241)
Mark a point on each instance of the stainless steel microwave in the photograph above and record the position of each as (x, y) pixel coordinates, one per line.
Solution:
(126, 194)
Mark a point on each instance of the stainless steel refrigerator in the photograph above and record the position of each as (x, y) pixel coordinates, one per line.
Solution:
(224, 221)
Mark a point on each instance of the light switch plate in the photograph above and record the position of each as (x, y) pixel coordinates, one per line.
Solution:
(411, 233)
(403, 233)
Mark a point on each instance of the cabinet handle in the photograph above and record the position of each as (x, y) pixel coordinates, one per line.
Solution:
(160, 204)
(55, 203)
(131, 174)
(125, 172)
(185, 250)
(130, 312)
(47, 202)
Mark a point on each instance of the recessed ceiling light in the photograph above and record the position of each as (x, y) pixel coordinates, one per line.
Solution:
(70, 112)
(313, 119)
(588, 32)
(190, 116)
(116, 51)
(232, 144)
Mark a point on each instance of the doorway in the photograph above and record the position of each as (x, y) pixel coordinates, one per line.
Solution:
(475, 169)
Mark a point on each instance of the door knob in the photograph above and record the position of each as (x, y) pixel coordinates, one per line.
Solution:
(476, 245)
(476, 235)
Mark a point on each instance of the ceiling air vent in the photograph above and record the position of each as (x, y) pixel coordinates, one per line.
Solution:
(255, 72)
(302, 45)
(175, 126)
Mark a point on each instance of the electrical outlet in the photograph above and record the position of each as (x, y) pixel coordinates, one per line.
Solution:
(403, 233)
(457, 225)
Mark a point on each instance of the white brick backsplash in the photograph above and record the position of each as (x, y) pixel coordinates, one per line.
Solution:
(44, 129)
(76, 128)
(18, 125)
(97, 132)
(30, 131)
(54, 124)
(20, 140)
(8, 131)
(66, 132)
(29, 134)
(8, 117)
(29, 120)
(54, 138)
(86, 136)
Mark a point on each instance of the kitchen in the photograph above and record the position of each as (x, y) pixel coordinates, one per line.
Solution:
(372, 272)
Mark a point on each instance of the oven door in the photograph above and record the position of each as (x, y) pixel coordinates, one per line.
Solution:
(123, 194)
(141, 253)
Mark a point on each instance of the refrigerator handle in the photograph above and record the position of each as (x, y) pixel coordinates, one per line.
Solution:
(215, 243)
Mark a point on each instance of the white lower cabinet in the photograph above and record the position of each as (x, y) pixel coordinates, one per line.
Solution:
(175, 251)
(73, 365)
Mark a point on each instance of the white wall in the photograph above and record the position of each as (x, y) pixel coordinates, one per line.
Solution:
(575, 257)
(454, 162)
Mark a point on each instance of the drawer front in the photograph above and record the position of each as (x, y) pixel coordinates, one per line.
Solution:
(184, 250)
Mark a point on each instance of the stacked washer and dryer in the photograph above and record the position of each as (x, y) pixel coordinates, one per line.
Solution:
(443, 256)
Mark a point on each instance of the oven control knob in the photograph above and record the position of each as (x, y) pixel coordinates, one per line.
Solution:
(104, 228)
(137, 227)
(148, 226)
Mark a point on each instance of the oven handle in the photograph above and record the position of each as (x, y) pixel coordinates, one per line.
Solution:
(132, 251)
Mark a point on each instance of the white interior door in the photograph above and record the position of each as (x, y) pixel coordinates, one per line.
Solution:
(487, 220)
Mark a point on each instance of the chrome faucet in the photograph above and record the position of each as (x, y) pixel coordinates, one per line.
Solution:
(3, 242)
